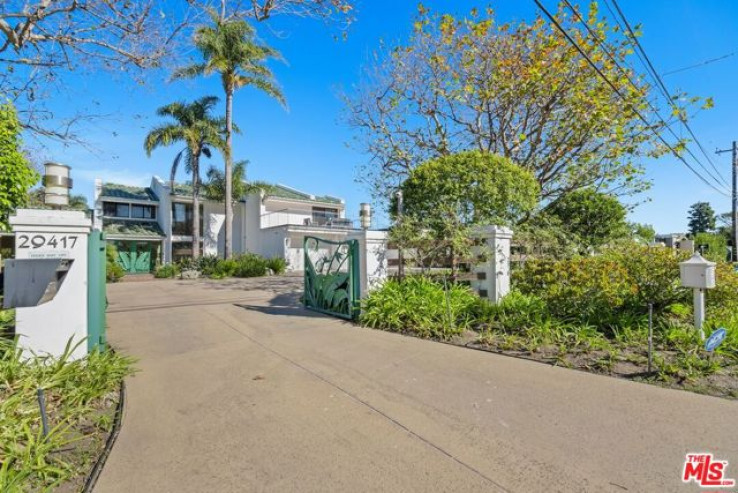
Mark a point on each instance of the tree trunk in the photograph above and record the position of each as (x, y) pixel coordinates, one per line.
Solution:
(229, 175)
(195, 206)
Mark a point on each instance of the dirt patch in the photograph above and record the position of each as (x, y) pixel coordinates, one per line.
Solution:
(90, 436)
(701, 372)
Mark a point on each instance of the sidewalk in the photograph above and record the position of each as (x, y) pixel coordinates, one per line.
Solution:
(242, 390)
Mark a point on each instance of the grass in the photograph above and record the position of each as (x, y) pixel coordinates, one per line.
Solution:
(80, 399)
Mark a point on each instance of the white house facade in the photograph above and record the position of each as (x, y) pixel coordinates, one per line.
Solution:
(150, 225)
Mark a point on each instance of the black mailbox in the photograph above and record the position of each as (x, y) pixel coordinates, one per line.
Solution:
(33, 282)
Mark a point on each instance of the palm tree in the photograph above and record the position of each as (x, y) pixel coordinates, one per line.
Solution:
(229, 48)
(214, 187)
(199, 131)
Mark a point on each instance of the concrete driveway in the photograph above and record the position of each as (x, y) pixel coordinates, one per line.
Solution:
(240, 389)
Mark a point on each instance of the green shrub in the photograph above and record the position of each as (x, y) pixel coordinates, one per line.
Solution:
(514, 312)
(277, 264)
(113, 270)
(224, 268)
(166, 271)
(590, 290)
(423, 307)
(206, 264)
(250, 265)
(655, 273)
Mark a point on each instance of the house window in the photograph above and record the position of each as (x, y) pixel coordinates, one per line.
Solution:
(143, 211)
(323, 215)
(114, 209)
(182, 219)
(182, 250)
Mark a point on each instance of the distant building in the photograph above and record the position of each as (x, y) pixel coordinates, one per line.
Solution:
(676, 241)
(154, 224)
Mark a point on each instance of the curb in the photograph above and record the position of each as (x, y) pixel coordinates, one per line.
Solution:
(117, 419)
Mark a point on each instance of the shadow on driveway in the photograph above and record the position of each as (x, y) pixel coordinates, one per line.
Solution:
(288, 304)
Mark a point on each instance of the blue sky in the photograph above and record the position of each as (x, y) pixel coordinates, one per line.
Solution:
(306, 145)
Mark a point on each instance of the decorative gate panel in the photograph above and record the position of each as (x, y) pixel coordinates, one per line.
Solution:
(332, 276)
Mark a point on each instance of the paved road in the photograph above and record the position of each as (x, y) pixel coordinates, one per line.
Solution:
(242, 390)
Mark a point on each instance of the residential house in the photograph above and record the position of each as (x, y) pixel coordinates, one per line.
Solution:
(154, 224)
(675, 241)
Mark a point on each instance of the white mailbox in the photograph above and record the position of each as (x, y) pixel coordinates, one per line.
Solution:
(697, 272)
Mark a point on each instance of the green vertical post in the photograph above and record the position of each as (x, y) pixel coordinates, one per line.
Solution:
(96, 292)
(355, 279)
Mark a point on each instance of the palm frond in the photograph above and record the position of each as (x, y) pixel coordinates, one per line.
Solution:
(163, 135)
(265, 85)
(190, 71)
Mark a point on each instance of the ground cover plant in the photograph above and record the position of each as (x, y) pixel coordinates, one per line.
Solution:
(589, 313)
(80, 396)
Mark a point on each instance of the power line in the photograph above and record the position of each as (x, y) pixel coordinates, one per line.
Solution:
(699, 64)
(666, 92)
(611, 56)
(617, 91)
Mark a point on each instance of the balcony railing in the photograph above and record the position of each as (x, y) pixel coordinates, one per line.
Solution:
(299, 218)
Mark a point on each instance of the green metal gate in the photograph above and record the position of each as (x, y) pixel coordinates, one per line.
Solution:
(332, 277)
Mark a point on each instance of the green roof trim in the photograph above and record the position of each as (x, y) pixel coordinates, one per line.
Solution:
(137, 229)
(119, 191)
(283, 192)
(184, 189)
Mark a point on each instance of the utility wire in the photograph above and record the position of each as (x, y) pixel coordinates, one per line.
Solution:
(611, 56)
(699, 64)
(617, 91)
(666, 92)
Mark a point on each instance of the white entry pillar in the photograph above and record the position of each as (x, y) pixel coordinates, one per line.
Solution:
(492, 271)
(372, 258)
(51, 234)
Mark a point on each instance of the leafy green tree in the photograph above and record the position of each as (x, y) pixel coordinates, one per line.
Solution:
(198, 130)
(445, 197)
(520, 90)
(16, 174)
(480, 188)
(701, 218)
(642, 233)
(229, 49)
(712, 246)
(592, 218)
(215, 185)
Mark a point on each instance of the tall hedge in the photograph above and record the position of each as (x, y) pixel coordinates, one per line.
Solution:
(16, 174)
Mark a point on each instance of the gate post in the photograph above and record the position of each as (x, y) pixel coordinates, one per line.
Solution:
(46, 325)
(493, 273)
(372, 259)
(96, 299)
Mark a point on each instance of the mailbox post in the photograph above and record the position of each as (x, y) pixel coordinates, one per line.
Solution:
(699, 274)
(58, 237)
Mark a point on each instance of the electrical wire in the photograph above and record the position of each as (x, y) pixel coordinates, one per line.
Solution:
(699, 64)
(626, 73)
(665, 91)
(617, 91)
